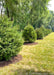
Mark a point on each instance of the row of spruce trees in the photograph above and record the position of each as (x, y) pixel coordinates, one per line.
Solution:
(11, 40)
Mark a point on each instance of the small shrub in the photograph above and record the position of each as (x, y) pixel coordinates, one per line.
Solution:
(43, 30)
(39, 33)
(10, 41)
(53, 28)
(29, 34)
(47, 31)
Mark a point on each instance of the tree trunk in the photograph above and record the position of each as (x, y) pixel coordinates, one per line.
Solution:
(1, 12)
(11, 18)
(7, 12)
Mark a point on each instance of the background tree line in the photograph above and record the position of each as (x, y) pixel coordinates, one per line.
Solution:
(34, 12)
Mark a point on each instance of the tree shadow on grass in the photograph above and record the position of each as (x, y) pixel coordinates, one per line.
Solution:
(31, 72)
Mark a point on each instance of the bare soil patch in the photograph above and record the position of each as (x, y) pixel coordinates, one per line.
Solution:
(27, 43)
(13, 60)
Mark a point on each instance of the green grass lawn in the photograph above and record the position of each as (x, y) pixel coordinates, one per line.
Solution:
(37, 59)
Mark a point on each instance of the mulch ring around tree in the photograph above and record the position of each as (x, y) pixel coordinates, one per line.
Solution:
(27, 43)
(13, 60)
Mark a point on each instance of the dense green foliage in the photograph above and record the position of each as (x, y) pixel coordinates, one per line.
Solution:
(47, 31)
(50, 21)
(40, 33)
(10, 40)
(29, 34)
(53, 28)
(23, 12)
(43, 29)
